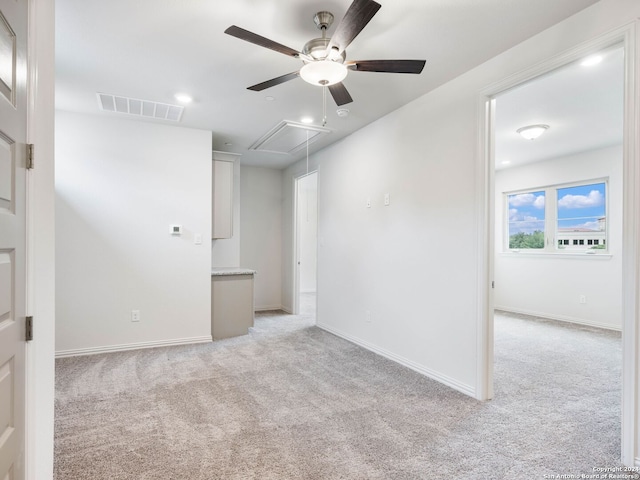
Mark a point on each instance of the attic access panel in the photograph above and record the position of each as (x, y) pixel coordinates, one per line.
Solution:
(288, 138)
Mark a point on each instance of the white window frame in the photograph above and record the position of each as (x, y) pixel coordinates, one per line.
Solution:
(551, 220)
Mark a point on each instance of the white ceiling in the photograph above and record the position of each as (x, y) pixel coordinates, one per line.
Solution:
(583, 106)
(152, 49)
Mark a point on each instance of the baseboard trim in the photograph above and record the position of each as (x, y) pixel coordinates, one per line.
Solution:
(132, 346)
(560, 318)
(285, 309)
(427, 372)
(265, 308)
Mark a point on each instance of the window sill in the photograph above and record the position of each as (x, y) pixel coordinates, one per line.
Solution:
(573, 255)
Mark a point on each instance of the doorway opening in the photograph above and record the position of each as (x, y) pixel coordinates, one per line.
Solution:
(558, 212)
(306, 244)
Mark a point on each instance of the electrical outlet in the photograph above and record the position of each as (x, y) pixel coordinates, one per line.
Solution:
(583, 299)
(135, 315)
(387, 199)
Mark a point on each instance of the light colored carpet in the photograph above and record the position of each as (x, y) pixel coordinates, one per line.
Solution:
(290, 401)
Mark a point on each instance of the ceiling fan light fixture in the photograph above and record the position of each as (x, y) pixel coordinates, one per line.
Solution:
(532, 132)
(323, 73)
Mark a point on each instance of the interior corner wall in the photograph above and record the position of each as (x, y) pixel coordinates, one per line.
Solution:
(411, 267)
(550, 286)
(261, 232)
(120, 184)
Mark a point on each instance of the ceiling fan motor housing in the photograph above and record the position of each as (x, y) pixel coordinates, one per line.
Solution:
(317, 49)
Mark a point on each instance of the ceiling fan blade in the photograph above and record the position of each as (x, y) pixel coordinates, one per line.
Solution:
(273, 82)
(359, 14)
(251, 37)
(340, 94)
(391, 66)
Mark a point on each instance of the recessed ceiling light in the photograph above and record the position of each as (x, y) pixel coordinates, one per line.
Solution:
(306, 120)
(505, 162)
(532, 132)
(183, 98)
(269, 98)
(591, 61)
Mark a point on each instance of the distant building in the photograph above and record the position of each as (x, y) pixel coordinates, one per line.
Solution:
(583, 238)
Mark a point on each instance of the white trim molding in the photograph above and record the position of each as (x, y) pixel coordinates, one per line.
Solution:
(626, 35)
(559, 318)
(268, 308)
(416, 367)
(132, 346)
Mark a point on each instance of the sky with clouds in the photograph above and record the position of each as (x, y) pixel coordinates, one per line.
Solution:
(578, 207)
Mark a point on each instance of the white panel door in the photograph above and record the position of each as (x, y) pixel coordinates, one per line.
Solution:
(13, 124)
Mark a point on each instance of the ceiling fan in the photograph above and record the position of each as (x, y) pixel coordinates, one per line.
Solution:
(324, 58)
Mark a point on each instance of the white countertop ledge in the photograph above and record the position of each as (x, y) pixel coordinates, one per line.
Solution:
(223, 271)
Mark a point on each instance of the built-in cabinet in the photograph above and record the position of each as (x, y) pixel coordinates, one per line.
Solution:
(232, 304)
(222, 220)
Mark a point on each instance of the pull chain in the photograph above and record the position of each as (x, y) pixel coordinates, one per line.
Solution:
(307, 152)
(324, 106)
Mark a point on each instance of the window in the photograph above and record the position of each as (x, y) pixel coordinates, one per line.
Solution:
(569, 217)
(526, 220)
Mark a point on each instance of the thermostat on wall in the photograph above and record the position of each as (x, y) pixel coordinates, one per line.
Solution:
(176, 229)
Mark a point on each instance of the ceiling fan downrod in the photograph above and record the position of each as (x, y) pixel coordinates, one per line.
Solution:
(323, 21)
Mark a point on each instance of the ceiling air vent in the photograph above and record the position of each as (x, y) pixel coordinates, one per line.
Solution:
(288, 137)
(140, 108)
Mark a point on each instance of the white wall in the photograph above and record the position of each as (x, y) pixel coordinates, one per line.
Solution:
(550, 286)
(225, 252)
(261, 232)
(413, 264)
(120, 184)
(308, 231)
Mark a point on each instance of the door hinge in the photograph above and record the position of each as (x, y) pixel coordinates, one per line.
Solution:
(29, 329)
(493, 284)
(30, 154)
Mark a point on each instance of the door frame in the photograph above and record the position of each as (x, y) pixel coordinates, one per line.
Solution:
(40, 251)
(627, 36)
(296, 244)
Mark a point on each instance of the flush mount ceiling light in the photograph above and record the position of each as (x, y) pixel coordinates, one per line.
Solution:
(183, 98)
(306, 120)
(343, 112)
(591, 61)
(532, 132)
